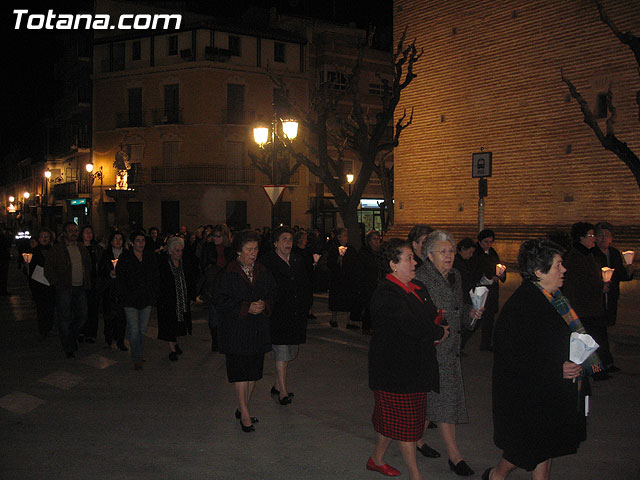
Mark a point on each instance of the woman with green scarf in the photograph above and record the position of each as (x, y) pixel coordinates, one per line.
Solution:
(538, 404)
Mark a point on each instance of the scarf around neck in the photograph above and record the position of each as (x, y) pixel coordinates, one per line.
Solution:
(561, 304)
(181, 289)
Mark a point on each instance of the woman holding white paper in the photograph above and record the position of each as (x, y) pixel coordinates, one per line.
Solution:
(444, 285)
(538, 412)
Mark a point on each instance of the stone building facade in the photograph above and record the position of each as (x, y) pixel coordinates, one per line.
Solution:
(490, 78)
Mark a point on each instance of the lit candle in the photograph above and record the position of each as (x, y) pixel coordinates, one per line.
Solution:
(606, 274)
(27, 257)
(342, 249)
(628, 256)
(500, 269)
(114, 261)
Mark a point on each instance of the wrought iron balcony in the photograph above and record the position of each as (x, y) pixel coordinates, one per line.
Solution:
(204, 174)
(164, 116)
(130, 119)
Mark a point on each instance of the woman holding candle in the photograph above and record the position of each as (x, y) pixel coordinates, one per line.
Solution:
(402, 358)
(115, 322)
(341, 258)
(608, 256)
(444, 285)
(538, 409)
(485, 262)
(584, 288)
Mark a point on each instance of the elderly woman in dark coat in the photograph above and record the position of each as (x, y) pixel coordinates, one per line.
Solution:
(341, 259)
(444, 285)
(243, 299)
(537, 408)
(43, 293)
(289, 315)
(402, 357)
(176, 291)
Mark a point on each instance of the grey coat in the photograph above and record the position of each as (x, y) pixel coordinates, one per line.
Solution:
(448, 406)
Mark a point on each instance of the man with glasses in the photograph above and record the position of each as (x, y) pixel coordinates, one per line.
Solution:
(583, 287)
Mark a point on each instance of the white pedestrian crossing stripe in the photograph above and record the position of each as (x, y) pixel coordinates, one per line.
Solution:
(20, 402)
(62, 380)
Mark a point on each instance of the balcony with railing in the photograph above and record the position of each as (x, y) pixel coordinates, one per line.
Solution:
(203, 174)
(130, 119)
(67, 190)
(163, 116)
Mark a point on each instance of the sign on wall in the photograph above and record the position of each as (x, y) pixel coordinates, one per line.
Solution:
(481, 164)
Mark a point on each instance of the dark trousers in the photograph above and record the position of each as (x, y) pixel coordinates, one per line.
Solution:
(45, 299)
(4, 275)
(90, 329)
(597, 328)
(486, 324)
(115, 322)
(71, 305)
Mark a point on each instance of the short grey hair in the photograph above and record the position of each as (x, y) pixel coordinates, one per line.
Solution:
(173, 242)
(434, 237)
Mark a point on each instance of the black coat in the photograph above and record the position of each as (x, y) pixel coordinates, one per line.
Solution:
(466, 273)
(402, 356)
(293, 300)
(137, 281)
(583, 283)
(619, 275)
(536, 413)
(168, 325)
(366, 274)
(485, 264)
(240, 332)
(210, 269)
(341, 278)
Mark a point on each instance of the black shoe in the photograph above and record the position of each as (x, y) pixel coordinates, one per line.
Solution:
(70, 355)
(486, 474)
(90, 340)
(427, 451)
(178, 349)
(352, 326)
(486, 349)
(122, 347)
(432, 425)
(333, 323)
(248, 429)
(612, 369)
(239, 415)
(276, 392)
(284, 401)
(173, 356)
(461, 468)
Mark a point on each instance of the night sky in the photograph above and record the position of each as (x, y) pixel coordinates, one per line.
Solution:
(28, 87)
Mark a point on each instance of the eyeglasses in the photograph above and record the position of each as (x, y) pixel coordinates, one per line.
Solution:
(590, 235)
(217, 235)
(450, 251)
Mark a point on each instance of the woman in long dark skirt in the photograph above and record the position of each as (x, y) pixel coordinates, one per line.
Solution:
(115, 322)
(243, 299)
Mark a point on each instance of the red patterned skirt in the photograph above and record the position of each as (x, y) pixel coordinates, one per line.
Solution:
(400, 416)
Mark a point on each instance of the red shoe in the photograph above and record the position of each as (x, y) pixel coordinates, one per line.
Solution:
(385, 469)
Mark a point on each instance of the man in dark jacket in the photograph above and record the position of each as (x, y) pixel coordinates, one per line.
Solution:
(583, 287)
(608, 256)
(67, 268)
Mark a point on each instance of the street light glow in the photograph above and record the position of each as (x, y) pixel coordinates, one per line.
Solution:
(349, 178)
(290, 129)
(261, 135)
(47, 174)
(11, 199)
(89, 167)
(26, 195)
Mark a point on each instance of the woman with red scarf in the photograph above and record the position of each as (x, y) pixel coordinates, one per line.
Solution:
(402, 357)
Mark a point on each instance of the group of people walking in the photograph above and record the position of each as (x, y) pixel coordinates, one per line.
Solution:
(422, 316)
(411, 295)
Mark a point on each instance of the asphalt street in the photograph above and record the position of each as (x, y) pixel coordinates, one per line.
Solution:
(94, 417)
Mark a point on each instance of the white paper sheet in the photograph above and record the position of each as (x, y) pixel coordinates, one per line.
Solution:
(38, 276)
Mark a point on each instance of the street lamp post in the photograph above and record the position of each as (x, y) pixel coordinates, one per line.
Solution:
(349, 181)
(264, 134)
